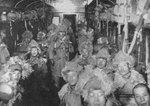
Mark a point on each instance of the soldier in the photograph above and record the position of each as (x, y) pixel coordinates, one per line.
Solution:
(37, 81)
(53, 31)
(102, 58)
(85, 34)
(95, 86)
(26, 40)
(58, 52)
(37, 62)
(141, 95)
(126, 78)
(85, 57)
(68, 94)
(42, 41)
(4, 53)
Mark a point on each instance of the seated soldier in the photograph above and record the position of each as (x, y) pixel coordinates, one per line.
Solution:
(96, 97)
(97, 89)
(126, 78)
(141, 95)
(68, 95)
(103, 62)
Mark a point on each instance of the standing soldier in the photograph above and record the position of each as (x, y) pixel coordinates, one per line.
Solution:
(4, 53)
(58, 51)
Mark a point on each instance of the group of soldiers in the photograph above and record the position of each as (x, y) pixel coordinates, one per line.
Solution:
(53, 44)
(100, 79)
(93, 76)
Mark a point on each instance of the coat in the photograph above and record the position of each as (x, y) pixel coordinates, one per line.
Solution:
(4, 54)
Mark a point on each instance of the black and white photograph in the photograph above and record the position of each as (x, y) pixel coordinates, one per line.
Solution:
(74, 52)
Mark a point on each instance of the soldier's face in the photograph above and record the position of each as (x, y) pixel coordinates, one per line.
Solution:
(51, 31)
(142, 96)
(124, 70)
(72, 78)
(16, 75)
(99, 41)
(85, 53)
(101, 62)
(96, 98)
(34, 51)
(27, 40)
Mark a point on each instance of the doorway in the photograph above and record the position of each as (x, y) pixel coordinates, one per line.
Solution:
(73, 37)
(72, 19)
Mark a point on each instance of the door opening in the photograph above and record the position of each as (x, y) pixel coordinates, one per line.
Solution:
(72, 19)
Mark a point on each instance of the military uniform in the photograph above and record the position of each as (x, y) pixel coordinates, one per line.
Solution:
(4, 54)
(68, 93)
(69, 96)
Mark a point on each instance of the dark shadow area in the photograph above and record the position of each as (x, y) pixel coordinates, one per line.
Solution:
(35, 95)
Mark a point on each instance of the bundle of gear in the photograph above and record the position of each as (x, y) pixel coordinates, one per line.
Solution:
(11, 72)
(26, 68)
